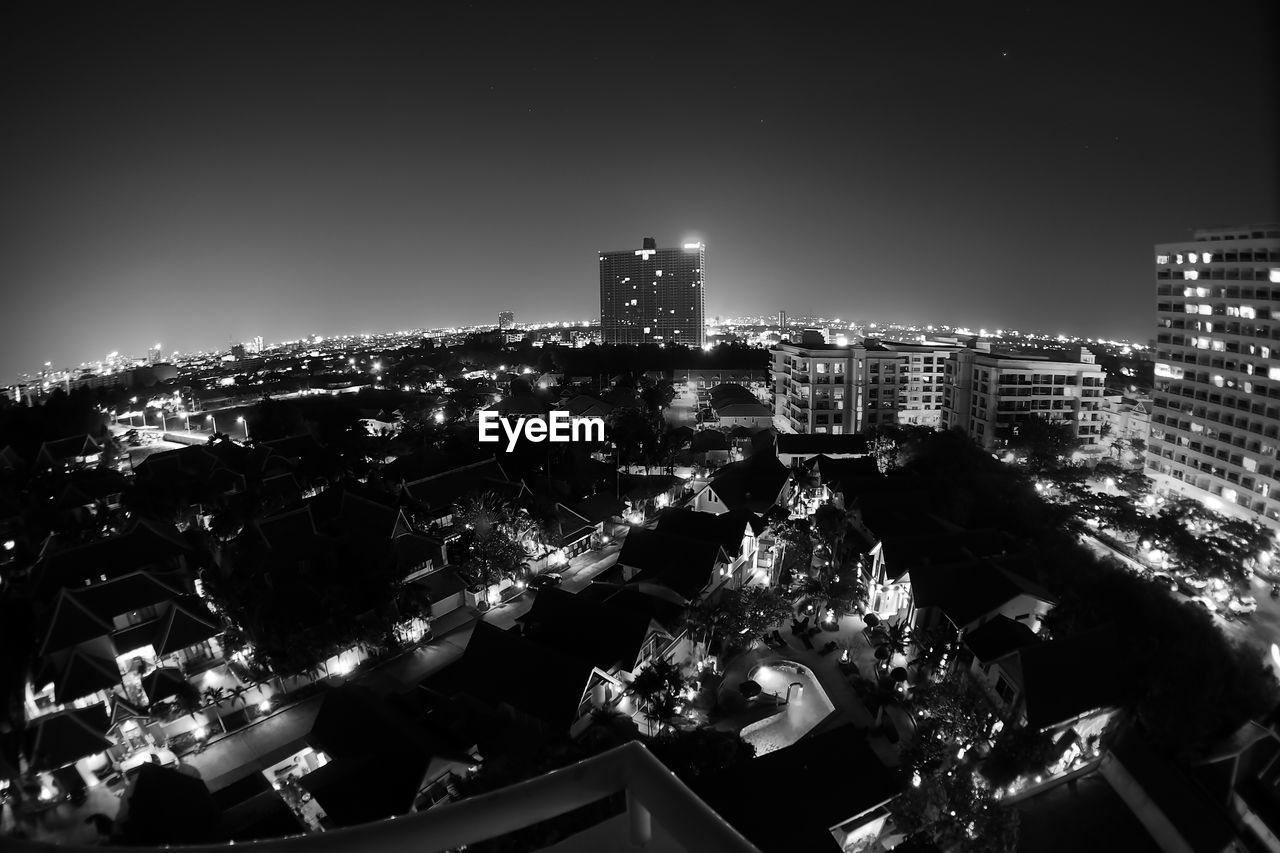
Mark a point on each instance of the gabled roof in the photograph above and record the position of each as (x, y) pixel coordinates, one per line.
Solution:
(681, 564)
(126, 593)
(58, 739)
(609, 633)
(639, 487)
(923, 543)
(289, 531)
(142, 546)
(598, 508)
(727, 529)
(440, 492)
(813, 444)
(738, 409)
(440, 584)
(818, 783)
(1062, 678)
(1202, 824)
(586, 406)
(367, 787)
(573, 527)
(970, 590)
(754, 483)
(84, 674)
(71, 623)
(502, 668)
(59, 450)
(183, 624)
(998, 637)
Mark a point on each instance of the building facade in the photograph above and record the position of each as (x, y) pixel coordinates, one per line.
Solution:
(987, 394)
(652, 295)
(828, 388)
(1215, 421)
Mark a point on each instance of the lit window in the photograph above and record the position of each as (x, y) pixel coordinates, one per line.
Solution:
(1273, 373)
(1275, 276)
(1202, 292)
(1217, 380)
(1162, 259)
(1191, 275)
(1208, 257)
(1206, 310)
(1178, 258)
(1248, 312)
(1193, 258)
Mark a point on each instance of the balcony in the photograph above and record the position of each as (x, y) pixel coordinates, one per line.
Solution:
(662, 816)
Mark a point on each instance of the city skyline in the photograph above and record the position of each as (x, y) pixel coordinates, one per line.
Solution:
(340, 169)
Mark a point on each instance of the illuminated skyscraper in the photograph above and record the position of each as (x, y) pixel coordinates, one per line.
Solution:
(1215, 421)
(652, 295)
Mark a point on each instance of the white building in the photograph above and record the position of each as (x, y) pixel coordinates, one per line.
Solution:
(1215, 424)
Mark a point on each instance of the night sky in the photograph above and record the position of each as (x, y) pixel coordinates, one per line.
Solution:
(196, 172)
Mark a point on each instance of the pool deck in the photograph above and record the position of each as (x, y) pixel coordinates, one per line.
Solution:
(826, 669)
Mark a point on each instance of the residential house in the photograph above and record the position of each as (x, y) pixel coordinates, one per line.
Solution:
(509, 680)
(647, 494)
(828, 792)
(1177, 814)
(923, 542)
(757, 483)
(1242, 775)
(69, 453)
(1058, 686)
(737, 532)
(795, 448)
(683, 567)
(436, 498)
(964, 595)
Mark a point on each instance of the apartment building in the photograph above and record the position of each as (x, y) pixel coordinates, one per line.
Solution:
(987, 393)
(835, 389)
(1215, 421)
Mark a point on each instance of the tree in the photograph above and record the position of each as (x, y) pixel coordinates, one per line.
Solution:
(891, 639)
(1045, 441)
(656, 688)
(750, 611)
(490, 549)
(831, 522)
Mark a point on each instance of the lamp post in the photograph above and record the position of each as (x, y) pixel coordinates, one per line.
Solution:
(211, 420)
(240, 420)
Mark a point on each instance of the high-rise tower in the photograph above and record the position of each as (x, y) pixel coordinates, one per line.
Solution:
(652, 295)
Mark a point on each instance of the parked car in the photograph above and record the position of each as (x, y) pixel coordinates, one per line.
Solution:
(1207, 603)
(1243, 604)
(1164, 581)
(547, 579)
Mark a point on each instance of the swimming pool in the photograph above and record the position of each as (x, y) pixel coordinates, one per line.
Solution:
(809, 705)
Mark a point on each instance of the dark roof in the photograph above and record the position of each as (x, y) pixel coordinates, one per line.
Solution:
(348, 714)
(572, 526)
(66, 736)
(295, 447)
(501, 667)
(709, 439)
(143, 546)
(84, 674)
(264, 815)
(638, 487)
(126, 593)
(969, 591)
(71, 623)
(167, 806)
(680, 563)
(1202, 824)
(998, 637)
(610, 632)
(1064, 678)
(440, 584)
(440, 492)
(921, 542)
(815, 784)
(598, 508)
(162, 683)
(62, 449)
(727, 529)
(813, 444)
(754, 483)
(369, 786)
(184, 623)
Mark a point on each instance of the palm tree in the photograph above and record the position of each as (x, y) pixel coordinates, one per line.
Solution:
(891, 639)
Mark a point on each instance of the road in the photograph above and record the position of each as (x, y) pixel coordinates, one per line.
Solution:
(1260, 629)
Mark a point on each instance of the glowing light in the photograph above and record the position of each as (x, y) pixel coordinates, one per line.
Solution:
(201, 732)
(264, 706)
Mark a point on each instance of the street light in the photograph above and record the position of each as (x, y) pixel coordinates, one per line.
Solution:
(211, 420)
(241, 420)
